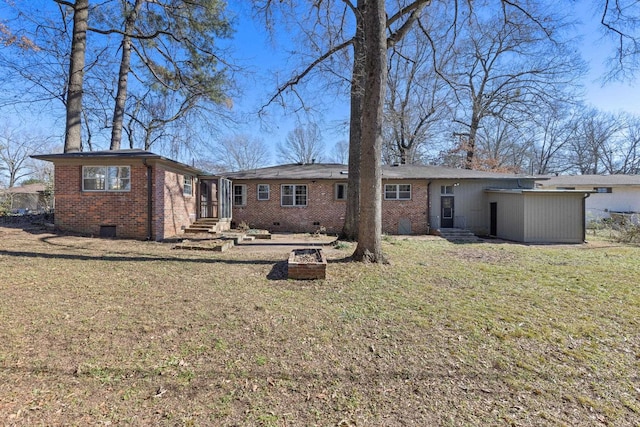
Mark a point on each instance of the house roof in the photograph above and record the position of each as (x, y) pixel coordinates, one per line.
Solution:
(591, 180)
(339, 172)
(113, 154)
(24, 189)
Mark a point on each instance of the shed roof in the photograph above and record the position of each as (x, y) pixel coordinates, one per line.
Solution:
(24, 189)
(591, 180)
(339, 172)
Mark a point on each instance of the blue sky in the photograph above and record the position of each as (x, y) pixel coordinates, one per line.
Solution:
(252, 42)
(253, 49)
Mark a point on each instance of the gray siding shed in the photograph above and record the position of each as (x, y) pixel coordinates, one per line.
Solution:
(535, 216)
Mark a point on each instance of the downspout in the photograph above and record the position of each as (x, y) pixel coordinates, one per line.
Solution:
(584, 216)
(149, 198)
(429, 207)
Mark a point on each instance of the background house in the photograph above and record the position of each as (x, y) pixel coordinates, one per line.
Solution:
(610, 193)
(133, 194)
(24, 199)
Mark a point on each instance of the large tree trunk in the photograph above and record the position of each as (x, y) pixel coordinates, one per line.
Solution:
(123, 75)
(350, 228)
(73, 127)
(471, 143)
(370, 228)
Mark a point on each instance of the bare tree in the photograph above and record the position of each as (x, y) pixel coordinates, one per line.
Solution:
(16, 147)
(553, 130)
(592, 150)
(508, 66)
(629, 157)
(621, 24)
(302, 145)
(340, 153)
(416, 96)
(241, 152)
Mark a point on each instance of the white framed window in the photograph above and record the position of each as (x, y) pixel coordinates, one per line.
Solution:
(446, 189)
(341, 191)
(106, 178)
(239, 195)
(263, 192)
(603, 189)
(397, 191)
(187, 188)
(293, 195)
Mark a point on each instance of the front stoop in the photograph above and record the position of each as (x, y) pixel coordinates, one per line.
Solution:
(307, 264)
(458, 235)
(204, 225)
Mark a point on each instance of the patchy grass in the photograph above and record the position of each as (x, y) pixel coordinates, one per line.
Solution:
(133, 333)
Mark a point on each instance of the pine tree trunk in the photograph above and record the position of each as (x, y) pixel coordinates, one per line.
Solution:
(73, 127)
(123, 76)
(370, 227)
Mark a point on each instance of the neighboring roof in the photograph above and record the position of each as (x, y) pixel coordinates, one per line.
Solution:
(339, 172)
(591, 180)
(24, 189)
(113, 154)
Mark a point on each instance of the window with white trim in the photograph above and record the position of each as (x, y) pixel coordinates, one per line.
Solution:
(239, 195)
(341, 191)
(446, 189)
(263, 191)
(293, 195)
(397, 191)
(187, 187)
(106, 178)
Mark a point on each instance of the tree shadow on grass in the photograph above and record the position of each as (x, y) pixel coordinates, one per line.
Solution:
(135, 258)
(279, 271)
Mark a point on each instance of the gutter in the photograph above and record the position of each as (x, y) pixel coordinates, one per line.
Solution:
(149, 198)
(584, 216)
(429, 207)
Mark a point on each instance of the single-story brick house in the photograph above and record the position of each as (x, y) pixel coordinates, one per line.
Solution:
(611, 194)
(416, 200)
(133, 194)
(139, 194)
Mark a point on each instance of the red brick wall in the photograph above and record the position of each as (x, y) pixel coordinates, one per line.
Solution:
(85, 212)
(414, 210)
(173, 211)
(322, 208)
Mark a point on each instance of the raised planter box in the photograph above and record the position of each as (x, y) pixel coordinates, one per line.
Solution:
(307, 264)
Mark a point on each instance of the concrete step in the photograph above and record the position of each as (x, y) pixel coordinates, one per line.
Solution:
(458, 235)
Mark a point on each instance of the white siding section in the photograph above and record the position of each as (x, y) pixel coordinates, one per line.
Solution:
(621, 199)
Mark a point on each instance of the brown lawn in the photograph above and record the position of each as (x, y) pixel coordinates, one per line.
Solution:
(118, 332)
